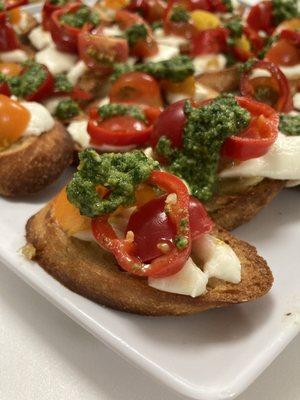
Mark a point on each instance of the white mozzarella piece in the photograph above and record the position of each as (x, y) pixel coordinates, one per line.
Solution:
(76, 72)
(296, 101)
(220, 261)
(103, 101)
(56, 61)
(40, 119)
(282, 161)
(40, 38)
(79, 133)
(173, 97)
(14, 56)
(190, 281)
(164, 53)
(209, 63)
(169, 40)
(292, 72)
(112, 30)
(203, 92)
(52, 103)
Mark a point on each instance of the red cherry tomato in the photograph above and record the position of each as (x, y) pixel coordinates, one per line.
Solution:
(4, 89)
(257, 42)
(209, 41)
(258, 137)
(284, 53)
(166, 264)
(48, 10)
(260, 17)
(80, 95)
(136, 87)
(64, 36)
(170, 123)
(151, 10)
(101, 52)
(151, 226)
(278, 83)
(143, 47)
(185, 29)
(8, 37)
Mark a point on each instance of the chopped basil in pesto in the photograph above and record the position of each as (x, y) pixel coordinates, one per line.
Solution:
(269, 43)
(62, 84)
(59, 3)
(205, 131)
(119, 173)
(67, 109)
(3, 78)
(112, 109)
(246, 66)
(29, 81)
(179, 14)
(135, 33)
(235, 27)
(82, 16)
(290, 124)
(181, 242)
(156, 25)
(176, 69)
(284, 9)
(2, 5)
(228, 5)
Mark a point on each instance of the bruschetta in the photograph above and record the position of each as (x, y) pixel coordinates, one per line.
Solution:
(129, 236)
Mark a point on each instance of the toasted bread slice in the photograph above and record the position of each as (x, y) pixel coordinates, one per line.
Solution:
(233, 210)
(35, 161)
(89, 271)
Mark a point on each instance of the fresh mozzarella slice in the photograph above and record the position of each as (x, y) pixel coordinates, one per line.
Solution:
(190, 281)
(209, 63)
(112, 30)
(296, 101)
(14, 56)
(169, 40)
(56, 61)
(79, 133)
(282, 161)
(164, 53)
(76, 72)
(52, 103)
(203, 92)
(40, 119)
(40, 38)
(220, 261)
(174, 97)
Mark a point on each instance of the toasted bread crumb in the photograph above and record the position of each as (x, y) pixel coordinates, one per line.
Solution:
(28, 251)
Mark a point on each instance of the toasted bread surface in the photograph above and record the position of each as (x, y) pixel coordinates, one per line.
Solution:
(35, 161)
(87, 270)
(233, 210)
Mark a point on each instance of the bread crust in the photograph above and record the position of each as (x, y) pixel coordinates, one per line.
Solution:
(35, 161)
(91, 272)
(233, 210)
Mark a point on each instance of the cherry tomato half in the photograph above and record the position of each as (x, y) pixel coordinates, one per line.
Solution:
(209, 41)
(260, 17)
(136, 87)
(284, 53)
(258, 137)
(152, 226)
(8, 37)
(48, 10)
(151, 10)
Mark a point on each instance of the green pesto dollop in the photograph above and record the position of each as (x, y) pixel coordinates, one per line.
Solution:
(205, 131)
(59, 3)
(113, 109)
(269, 43)
(235, 27)
(284, 9)
(156, 25)
(67, 109)
(179, 14)
(82, 16)
(135, 33)
(27, 83)
(176, 69)
(119, 173)
(290, 124)
(2, 5)
(62, 84)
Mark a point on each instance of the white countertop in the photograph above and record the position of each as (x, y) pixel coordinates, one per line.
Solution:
(44, 355)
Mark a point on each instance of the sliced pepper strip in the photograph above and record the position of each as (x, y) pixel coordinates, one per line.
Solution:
(167, 264)
(285, 100)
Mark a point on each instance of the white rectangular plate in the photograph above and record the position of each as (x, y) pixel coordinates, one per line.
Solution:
(209, 356)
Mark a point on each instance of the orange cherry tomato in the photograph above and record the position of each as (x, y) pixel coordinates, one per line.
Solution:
(10, 69)
(284, 53)
(136, 87)
(14, 119)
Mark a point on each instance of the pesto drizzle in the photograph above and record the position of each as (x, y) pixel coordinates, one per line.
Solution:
(82, 16)
(205, 131)
(135, 33)
(120, 173)
(290, 124)
(176, 69)
(67, 109)
(284, 9)
(112, 109)
(62, 84)
(27, 83)
(179, 14)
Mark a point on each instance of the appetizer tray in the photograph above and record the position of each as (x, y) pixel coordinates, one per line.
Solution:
(209, 356)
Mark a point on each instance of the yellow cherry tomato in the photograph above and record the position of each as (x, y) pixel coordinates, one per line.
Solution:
(205, 20)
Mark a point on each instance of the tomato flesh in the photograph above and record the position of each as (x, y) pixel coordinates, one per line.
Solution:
(260, 17)
(152, 226)
(284, 53)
